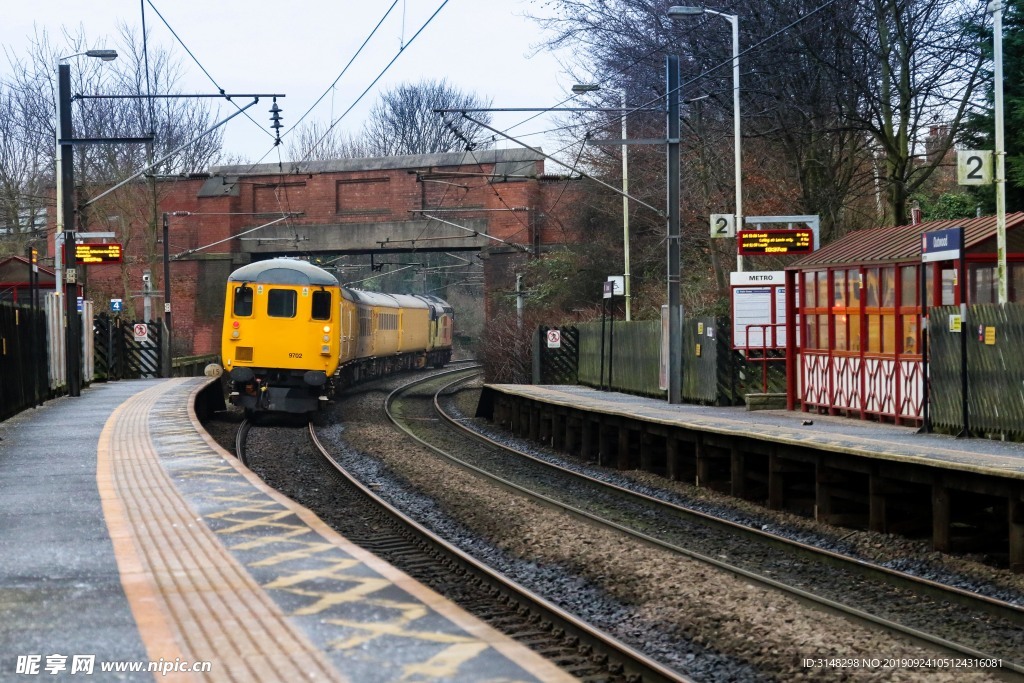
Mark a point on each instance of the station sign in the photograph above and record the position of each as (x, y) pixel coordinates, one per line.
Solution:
(941, 245)
(782, 242)
(90, 254)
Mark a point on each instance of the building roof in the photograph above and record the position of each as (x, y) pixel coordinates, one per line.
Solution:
(901, 243)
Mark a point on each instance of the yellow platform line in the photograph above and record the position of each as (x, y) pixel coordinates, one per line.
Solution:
(190, 599)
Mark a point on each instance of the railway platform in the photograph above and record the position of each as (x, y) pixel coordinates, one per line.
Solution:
(968, 494)
(133, 547)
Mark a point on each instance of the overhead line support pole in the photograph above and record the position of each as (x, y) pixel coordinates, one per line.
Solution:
(675, 308)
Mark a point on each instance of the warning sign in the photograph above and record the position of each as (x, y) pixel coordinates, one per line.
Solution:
(141, 332)
(554, 339)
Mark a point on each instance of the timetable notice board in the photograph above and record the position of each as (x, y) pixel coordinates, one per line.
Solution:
(758, 310)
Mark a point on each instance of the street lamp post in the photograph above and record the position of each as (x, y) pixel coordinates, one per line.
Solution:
(66, 218)
(678, 11)
(582, 88)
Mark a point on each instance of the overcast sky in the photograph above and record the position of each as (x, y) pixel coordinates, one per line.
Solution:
(299, 48)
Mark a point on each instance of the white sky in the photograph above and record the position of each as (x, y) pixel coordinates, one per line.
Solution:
(299, 48)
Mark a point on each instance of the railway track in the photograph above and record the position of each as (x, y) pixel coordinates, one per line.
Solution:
(956, 622)
(577, 647)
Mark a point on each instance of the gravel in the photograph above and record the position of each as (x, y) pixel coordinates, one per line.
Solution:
(706, 623)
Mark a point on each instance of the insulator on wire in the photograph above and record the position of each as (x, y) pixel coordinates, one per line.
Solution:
(275, 121)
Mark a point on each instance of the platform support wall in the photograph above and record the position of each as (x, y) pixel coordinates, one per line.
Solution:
(622, 453)
(876, 503)
(941, 516)
(1016, 511)
(776, 483)
(737, 473)
(673, 457)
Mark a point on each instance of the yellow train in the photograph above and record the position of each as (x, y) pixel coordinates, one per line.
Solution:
(293, 336)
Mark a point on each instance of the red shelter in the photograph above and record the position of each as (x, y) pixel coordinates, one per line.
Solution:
(856, 304)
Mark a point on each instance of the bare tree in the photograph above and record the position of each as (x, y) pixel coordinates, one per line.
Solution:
(318, 141)
(404, 122)
(173, 122)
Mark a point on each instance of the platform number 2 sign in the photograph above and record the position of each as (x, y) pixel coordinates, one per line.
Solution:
(723, 225)
(974, 167)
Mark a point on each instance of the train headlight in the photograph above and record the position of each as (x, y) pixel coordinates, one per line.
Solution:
(327, 338)
(325, 350)
(235, 334)
(327, 328)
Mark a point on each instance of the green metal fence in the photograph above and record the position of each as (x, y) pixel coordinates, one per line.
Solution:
(995, 369)
(711, 371)
(23, 379)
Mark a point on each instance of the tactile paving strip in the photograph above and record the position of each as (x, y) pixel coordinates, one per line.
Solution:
(371, 621)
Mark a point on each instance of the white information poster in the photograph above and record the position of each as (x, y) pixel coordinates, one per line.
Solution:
(758, 302)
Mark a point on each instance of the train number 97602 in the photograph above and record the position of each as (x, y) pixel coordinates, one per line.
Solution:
(293, 354)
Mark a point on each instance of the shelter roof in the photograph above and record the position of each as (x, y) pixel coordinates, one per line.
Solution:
(16, 269)
(901, 243)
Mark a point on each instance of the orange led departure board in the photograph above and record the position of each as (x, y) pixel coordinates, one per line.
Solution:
(751, 242)
(88, 254)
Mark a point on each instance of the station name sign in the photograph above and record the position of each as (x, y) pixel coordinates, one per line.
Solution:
(941, 245)
(87, 254)
(751, 242)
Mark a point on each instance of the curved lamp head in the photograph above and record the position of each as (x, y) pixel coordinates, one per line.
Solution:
(105, 55)
(585, 87)
(680, 11)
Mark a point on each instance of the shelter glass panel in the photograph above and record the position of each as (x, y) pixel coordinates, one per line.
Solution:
(841, 339)
(874, 333)
(984, 283)
(1016, 281)
(839, 287)
(809, 289)
(889, 334)
(854, 341)
(811, 333)
(909, 334)
(948, 287)
(887, 287)
(871, 275)
(908, 286)
(854, 283)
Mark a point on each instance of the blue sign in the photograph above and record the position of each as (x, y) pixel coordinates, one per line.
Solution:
(80, 304)
(115, 305)
(941, 245)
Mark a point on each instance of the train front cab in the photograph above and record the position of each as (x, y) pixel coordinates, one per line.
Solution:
(281, 339)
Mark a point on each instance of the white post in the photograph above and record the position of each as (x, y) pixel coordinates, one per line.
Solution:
(996, 7)
(737, 144)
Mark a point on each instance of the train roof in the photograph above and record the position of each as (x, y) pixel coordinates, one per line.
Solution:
(284, 271)
(382, 299)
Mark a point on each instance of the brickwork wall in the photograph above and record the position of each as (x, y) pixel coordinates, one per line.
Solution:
(526, 211)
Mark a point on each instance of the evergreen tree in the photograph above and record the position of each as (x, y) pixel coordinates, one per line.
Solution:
(979, 133)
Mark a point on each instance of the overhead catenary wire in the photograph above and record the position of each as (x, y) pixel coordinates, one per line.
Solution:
(201, 67)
